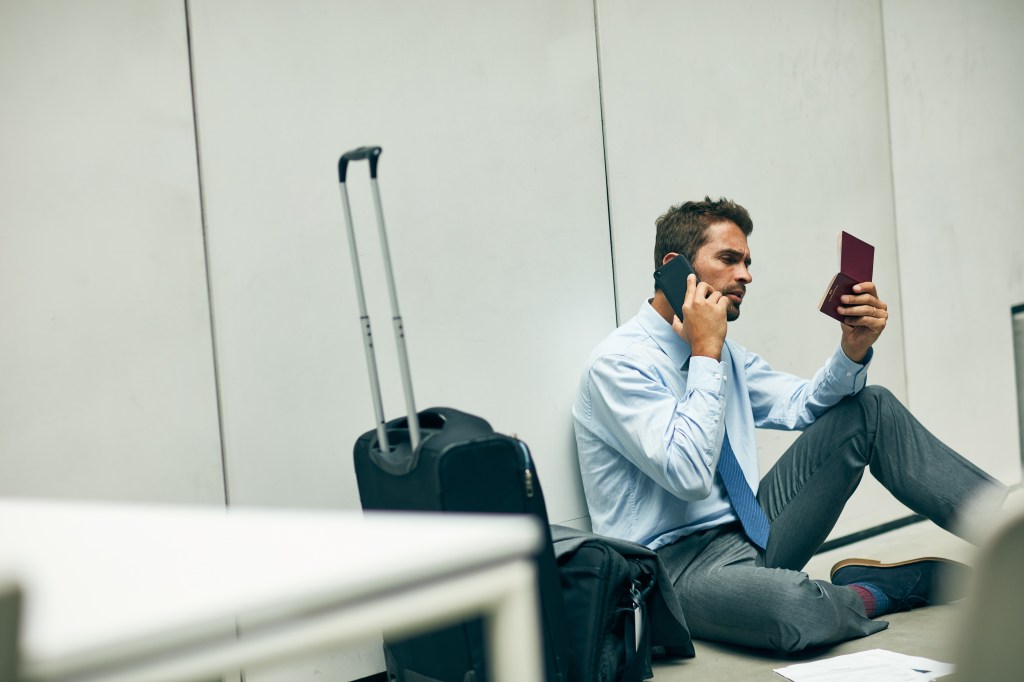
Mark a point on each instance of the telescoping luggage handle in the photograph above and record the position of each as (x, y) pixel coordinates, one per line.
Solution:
(372, 154)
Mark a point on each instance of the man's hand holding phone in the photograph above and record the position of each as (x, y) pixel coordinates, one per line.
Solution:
(704, 323)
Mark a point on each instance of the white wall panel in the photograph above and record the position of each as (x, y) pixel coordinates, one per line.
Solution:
(105, 350)
(493, 188)
(782, 107)
(957, 102)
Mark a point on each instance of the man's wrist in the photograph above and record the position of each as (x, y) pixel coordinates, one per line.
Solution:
(854, 355)
(708, 351)
(861, 359)
(710, 347)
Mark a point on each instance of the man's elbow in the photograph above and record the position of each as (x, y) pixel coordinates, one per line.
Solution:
(694, 487)
(701, 492)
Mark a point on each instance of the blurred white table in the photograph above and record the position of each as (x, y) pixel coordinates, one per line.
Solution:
(132, 592)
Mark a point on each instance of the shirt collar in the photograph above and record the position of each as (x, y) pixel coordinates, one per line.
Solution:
(661, 331)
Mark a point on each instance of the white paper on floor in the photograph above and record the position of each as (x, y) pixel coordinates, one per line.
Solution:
(877, 665)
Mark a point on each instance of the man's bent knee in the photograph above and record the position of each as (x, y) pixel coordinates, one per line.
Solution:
(879, 394)
(799, 613)
(810, 615)
(872, 401)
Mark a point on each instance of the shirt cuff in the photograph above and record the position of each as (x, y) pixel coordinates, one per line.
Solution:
(853, 374)
(706, 374)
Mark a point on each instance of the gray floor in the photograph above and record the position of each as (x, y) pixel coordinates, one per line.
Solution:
(928, 632)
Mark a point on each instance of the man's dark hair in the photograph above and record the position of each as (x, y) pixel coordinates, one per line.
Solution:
(684, 227)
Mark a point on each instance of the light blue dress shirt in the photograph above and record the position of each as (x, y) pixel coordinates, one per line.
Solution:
(649, 426)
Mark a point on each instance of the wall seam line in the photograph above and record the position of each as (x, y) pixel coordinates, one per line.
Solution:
(895, 213)
(206, 259)
(604, 152)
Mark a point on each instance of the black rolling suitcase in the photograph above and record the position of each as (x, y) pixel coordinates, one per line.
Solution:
(444, 460)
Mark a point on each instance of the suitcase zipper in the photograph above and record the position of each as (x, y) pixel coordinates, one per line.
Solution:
(638, 613)
(527, 467)
(638, 592)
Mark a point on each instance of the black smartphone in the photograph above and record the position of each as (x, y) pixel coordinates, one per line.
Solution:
(671, 278)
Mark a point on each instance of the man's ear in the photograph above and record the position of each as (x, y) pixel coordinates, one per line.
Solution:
(668, 256)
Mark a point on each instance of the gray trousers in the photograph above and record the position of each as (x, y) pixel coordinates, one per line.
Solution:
(733, 592)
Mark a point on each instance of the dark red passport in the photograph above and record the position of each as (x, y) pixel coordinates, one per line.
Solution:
(856, 262)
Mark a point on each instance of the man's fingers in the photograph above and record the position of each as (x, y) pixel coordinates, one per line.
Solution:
(864, 303)
(866, 288)
(858, 321)
(702, 293)
(862, 299)
(866, 296)
(873, 318)
(691, 286)
(707, 292)
(864, 311)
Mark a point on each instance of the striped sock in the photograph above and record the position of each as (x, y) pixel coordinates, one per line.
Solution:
(875, 601)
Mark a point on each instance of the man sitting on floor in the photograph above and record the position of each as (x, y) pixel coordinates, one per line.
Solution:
(665, 425)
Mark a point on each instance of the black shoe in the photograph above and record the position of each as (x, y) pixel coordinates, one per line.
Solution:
(908, 584)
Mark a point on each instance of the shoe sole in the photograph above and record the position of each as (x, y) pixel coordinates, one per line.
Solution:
(873, 563)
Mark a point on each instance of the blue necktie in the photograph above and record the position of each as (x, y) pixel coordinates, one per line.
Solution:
(753, 518)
